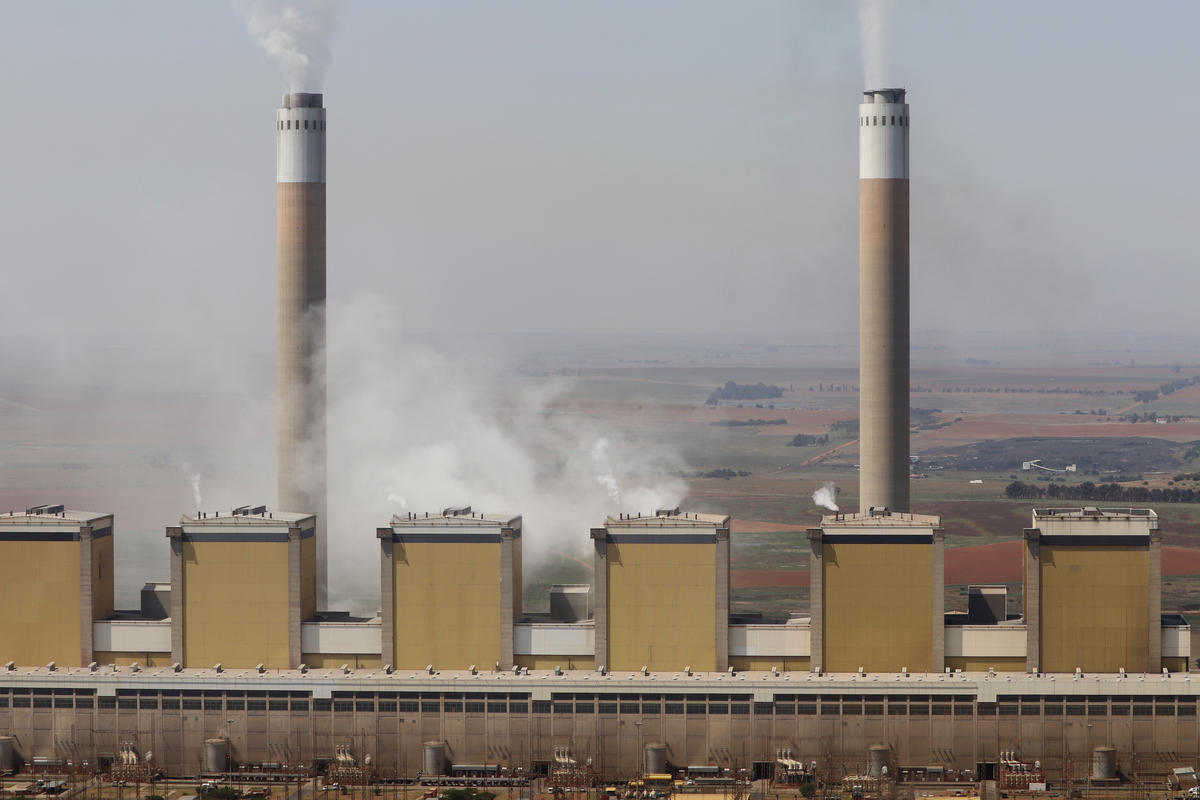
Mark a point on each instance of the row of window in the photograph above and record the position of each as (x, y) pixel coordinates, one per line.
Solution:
(1185, 708)
(286, 125)
(875, 120)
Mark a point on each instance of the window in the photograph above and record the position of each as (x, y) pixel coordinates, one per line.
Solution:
(80, 702)
(873, 709)
(475, 706)
(607, 708)
(63, 702)
(695, 708)
(875, 121)
(299, 705)
(212, 704)
(305, 124)
(431, 706)
(408, 706)
(172, 703)
(322, 705)
(893, 120)
(494, 707)
(251, 705)
(364, 705)
(651, 708)
(289, 124)
(630, 708)
(718, 708)
(231, 704)
(541, 706)
(562, 708)
(518, 707)
(673, 708)
(148, 702)
(585, 708)
(104, 702)
(764, 709)
(809, 709)
(277, 705)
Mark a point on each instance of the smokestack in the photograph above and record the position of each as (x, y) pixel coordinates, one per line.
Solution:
(300, 207)
(883, 300)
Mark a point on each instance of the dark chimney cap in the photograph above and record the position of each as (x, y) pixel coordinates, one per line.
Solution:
(302, 100)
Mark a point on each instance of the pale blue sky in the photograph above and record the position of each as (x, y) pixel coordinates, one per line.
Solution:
(588, 166)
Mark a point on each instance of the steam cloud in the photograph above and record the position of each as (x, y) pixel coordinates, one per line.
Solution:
(295, 34)
(874, 24)
(411, 429)
(826, 496)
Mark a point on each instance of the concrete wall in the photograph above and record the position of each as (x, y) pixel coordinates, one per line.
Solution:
(447, 604)
(1094, 608)
(878, 606)
(39, 585)
(236, 604)
(661, 602)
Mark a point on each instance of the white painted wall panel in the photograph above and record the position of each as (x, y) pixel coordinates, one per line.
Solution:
(341, 637)
(554, 639)
(770, 640)
(883, 148)
(132, 636)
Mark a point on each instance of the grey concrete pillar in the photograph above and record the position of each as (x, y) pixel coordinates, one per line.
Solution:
(1154, 653)
(937, 661)
(600, 587)
(1033, 600)
(295, 630)
(722, 649)
(816, 601)
(506, 598)
(178, 589)
(387, 598)
(87, 596)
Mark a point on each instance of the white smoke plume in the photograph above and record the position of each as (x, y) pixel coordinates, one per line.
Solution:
(296, 35)
(414, 429)
(874, 30)
(826, 496)
(196, 490)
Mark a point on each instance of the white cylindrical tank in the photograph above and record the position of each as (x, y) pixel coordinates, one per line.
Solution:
(1104, 763)
(216, 751)
(878, 756)
(656, 758)
(6, 753)
(433, 759)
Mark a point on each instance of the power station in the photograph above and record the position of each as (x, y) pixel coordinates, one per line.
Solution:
(238, 662)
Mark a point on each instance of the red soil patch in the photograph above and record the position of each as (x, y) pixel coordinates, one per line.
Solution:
(1180, 561)
(984, 563)
(758, 578)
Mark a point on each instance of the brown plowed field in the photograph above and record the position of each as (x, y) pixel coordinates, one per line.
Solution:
(758, 526)
(977, 427)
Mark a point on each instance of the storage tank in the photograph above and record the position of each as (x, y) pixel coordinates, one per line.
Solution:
(216, 751)
(1104, 763)
(878, 756)
(656, 758)
(433, 758)
(6, 753)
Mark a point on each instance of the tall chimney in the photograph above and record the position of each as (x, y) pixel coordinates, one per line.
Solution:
(883, 300)
(300, 206)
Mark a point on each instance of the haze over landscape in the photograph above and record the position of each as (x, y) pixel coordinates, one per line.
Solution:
(554, 229)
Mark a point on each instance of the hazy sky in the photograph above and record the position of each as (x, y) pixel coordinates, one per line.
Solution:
(595, 166)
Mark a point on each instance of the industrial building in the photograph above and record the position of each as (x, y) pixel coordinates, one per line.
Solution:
(237, 660)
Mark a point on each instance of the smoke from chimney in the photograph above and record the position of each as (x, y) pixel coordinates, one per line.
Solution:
(295, 35)
(826, 496)
(874, 29)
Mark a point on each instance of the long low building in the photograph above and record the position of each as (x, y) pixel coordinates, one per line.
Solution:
(962, 721)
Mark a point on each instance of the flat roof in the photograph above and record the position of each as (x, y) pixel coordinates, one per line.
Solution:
(897, 519)
(1092, 512)
(455, 518)
(242, 517)
(543, 684)
(668, 519)
(50, 514)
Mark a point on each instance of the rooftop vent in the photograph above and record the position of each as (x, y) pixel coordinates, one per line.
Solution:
(46, 509)
(667, 512)
(456, 511)
(249, 511)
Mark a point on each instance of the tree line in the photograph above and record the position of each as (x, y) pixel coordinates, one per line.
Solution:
(1103, 492)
